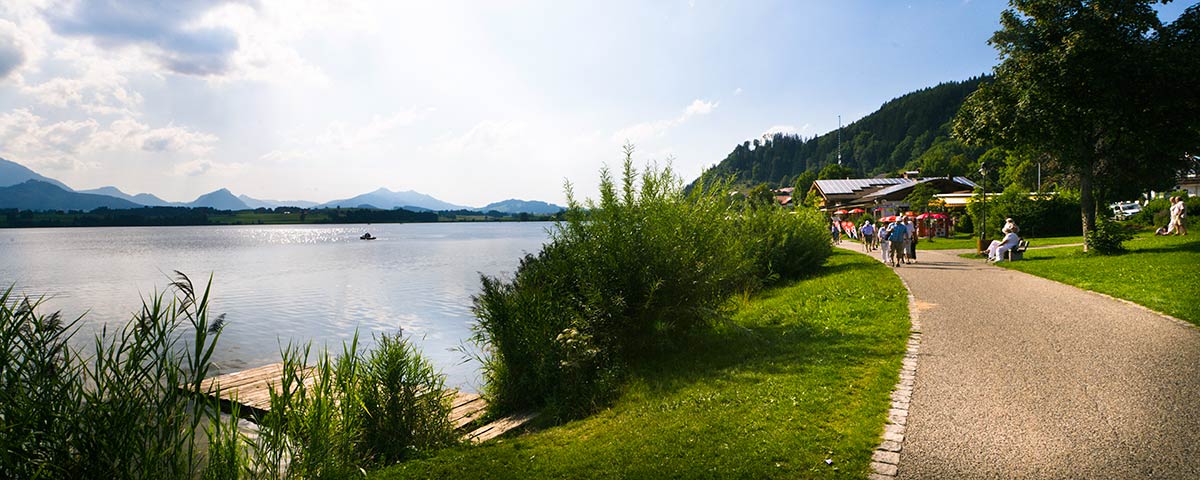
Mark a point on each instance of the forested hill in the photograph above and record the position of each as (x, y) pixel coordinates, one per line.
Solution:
(911, 131)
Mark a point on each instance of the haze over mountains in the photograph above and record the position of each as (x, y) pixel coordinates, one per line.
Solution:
(24, 189)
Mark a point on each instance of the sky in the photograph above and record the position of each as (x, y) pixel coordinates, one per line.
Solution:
(471, 102)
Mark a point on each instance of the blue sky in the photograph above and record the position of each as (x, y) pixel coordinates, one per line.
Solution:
(471, 102)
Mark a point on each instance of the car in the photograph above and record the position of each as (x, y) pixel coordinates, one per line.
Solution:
(1123, 210)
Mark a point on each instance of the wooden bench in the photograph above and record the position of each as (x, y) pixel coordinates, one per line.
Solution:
(1018, 252)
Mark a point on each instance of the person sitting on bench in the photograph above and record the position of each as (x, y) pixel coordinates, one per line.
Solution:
(999, 248)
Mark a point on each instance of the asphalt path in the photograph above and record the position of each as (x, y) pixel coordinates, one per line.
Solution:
(1023, 377)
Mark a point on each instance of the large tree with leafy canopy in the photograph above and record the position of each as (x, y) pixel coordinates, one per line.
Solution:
(1101, 88)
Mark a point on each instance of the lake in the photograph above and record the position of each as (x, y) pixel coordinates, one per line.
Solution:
(279, 284)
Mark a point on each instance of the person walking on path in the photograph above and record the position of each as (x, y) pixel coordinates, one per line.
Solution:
(885, 243)
(868, 235)
(896, 238)
(835, 231)
(913, 238)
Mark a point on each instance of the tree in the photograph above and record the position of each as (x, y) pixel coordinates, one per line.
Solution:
(920, 197)
(835, 171)
(1099, 88)
(803, 184)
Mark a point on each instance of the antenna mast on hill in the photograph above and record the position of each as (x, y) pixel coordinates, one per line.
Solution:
(839, 140)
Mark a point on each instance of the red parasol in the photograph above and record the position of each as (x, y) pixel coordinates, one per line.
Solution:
(840, 212)
(937, 215)
(909, 214)
(857, 210)
(922, 216)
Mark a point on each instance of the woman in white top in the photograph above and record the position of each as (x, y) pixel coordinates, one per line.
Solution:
(998, 248)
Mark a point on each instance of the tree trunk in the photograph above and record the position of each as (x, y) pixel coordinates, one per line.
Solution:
(1087, 204)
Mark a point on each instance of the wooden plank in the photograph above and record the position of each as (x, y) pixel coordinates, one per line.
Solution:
(251, 391)
(467, 408)
(499, 427)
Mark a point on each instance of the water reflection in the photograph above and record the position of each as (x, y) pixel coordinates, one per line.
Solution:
(279, 283)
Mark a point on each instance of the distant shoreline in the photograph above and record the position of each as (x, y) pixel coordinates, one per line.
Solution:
(183, 216)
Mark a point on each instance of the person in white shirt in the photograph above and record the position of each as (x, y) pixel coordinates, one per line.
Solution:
(998, 248)
(1178, 212)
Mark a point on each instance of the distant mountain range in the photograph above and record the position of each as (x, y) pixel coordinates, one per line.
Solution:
(40, 195)
(523, 206)
(387, 200)
(24, 189)
(12, 173)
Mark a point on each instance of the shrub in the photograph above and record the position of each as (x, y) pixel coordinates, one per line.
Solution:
(1045, 216)
(1108, 238)
(784, 246)
(623, 277)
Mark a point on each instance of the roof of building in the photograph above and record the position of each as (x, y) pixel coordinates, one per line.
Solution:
(912, 183)
(851, 185)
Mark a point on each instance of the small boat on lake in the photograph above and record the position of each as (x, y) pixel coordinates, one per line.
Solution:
(367, 236)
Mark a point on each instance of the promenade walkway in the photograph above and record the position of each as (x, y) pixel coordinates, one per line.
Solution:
(1023, 377)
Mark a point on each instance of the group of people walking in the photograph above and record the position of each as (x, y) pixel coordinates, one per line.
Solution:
(896, 241)
(1178, 217)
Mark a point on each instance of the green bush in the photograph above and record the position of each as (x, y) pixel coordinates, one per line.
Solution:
(623, 277)
(784, 246)
(1108, 238)
(1047, 216)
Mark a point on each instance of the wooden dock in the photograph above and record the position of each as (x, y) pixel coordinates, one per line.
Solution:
(251, 389)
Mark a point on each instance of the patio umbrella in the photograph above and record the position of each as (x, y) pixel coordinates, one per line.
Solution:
(840, 212)
(908, 214)
(937, 215)
(923, 216)
(857, 210)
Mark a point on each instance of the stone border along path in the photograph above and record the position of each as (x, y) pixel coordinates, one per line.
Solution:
(886, 458)
(1024, 377)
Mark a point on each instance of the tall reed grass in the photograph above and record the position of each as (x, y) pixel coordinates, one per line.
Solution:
(136, 407)
(624, 276)
(115, 414)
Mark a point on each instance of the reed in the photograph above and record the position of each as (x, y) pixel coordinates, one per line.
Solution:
(117, 413)
(135, 405)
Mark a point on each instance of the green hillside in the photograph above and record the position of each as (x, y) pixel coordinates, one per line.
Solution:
(909, 132)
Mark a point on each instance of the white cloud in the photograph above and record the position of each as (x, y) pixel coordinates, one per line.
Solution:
(737, 91)
(699, 107)
(786, 129)
(344, 140)
(29, 139)
(647, 130)
(205, 167)
(488, 138)
(24, 137)
(130, 135)
(345, 136)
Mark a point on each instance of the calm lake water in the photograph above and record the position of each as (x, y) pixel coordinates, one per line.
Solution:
(279, 284)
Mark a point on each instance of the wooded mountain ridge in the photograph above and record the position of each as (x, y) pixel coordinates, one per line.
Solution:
(908, 132)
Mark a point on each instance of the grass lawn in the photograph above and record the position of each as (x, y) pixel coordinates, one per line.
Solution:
(1159, 272)
(964, 241)
(801, 374)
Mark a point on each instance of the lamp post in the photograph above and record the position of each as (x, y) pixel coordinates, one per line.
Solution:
(983, 207)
